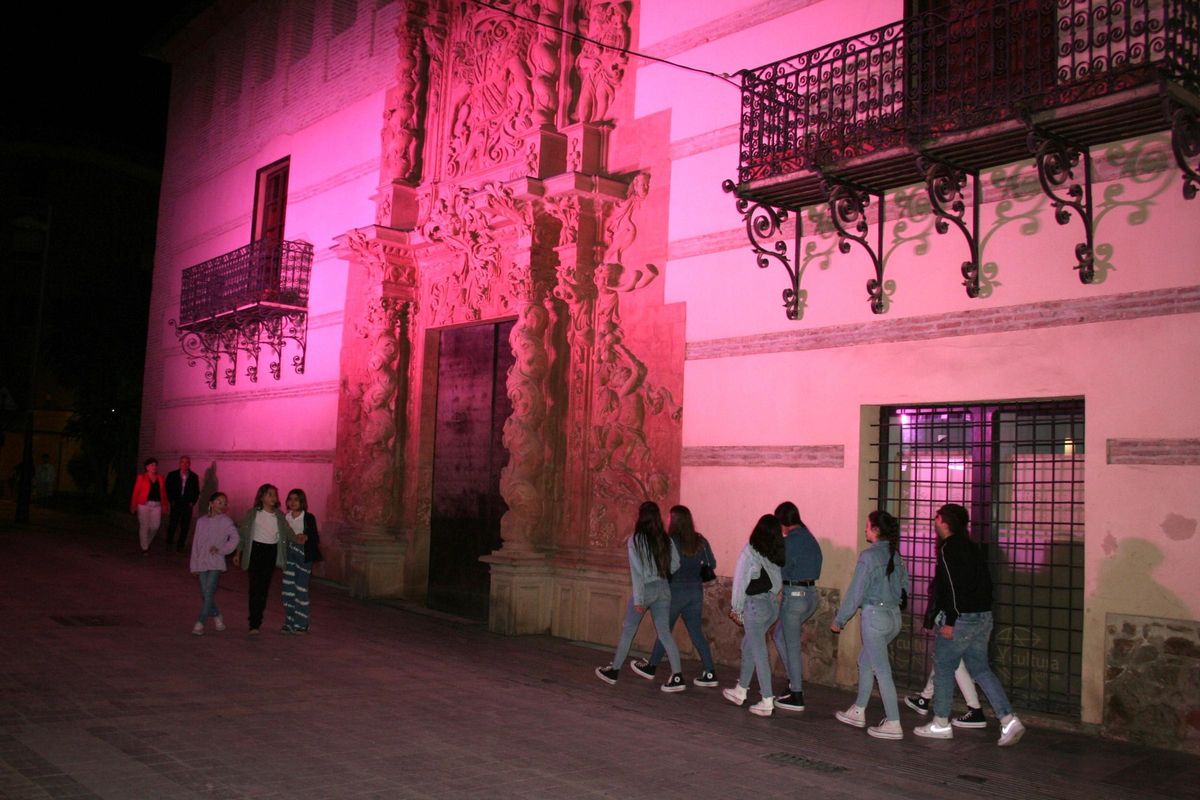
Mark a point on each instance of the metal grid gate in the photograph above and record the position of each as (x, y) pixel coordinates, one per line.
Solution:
(1018, 469)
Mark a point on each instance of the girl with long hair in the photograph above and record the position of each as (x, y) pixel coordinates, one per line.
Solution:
(880, 580)
(652, 559)
(215, 538)
(302, 553)
(264, 537)
(756, 584)
(687, 595)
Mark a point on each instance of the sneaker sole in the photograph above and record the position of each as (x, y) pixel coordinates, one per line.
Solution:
(788, 706)
(851, 721)
(761, 712)
(673, 689)
(706, 684)
(884, 735)
(1015, 738)
(922, 711)
(733, 700)
(946, 735)
(958, 724)
(605, 678)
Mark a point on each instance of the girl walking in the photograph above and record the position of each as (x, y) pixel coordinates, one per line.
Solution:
(880, 579)
(687, 595)
(756, 585)
(215, 538)
(302, 552)
(652, 558)
(263, 539)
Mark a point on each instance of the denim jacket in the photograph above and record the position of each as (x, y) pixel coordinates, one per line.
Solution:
(643, 570)
(749, 565)
(871, 584)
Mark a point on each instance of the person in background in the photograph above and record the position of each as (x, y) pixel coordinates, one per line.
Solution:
(149, 500)
(880, 581)
(801, 569)
(183, 490)
(216, 537)
(652, 558)
(687, 596)
(755, 607)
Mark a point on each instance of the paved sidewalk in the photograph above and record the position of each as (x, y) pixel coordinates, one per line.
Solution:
(104, 693)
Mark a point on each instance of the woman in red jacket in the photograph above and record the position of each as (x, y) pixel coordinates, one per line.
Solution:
(149, 501)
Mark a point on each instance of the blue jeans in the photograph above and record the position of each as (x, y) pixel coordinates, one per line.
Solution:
(970, 645)
(799, 603)
(687, 600)
(657, 600)
(880, 624)
(208, 588)
(758, 615)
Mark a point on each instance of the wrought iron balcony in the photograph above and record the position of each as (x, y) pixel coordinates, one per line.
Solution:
(938, 97)
(238, 302)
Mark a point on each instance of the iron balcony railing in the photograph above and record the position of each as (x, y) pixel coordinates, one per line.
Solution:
(260, 274)
(979, 63)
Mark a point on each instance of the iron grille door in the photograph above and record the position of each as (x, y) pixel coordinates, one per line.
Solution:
(1018, 469)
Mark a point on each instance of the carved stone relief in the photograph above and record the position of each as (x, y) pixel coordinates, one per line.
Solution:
(599, 70)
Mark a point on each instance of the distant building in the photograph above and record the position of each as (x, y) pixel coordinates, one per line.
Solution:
(473, 283)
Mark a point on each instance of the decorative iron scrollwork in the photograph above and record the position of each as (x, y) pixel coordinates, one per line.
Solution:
(848, 212)
(1057, 159)
(1185, 142)
(945, 184)
(764, 229)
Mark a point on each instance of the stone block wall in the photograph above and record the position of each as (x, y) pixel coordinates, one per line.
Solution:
(1152, 681)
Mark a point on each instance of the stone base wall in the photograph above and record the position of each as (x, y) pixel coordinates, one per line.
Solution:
(1152, 681)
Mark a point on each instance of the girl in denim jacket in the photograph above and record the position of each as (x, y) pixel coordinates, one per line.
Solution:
(756, 584)
(652, 558)
(880, 580)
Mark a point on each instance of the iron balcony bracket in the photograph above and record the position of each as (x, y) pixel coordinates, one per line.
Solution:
(764, 229)
(278, 331)
(208, 346)
(945, 183)
(245, 334)
(1057, 159)
(1185, 141)
(848, 212)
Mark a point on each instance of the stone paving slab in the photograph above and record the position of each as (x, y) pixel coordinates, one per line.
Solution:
(105, 694)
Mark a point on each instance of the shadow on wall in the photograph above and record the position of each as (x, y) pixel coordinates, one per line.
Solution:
(1152, 660)
(208, 485)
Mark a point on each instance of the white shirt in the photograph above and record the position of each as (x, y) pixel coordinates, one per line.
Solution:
(266, 528)
(297, 522)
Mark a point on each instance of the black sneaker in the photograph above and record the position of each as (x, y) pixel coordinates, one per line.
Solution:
(643, 668)
(917, 703)
(792, 701)
(675, 683)
(706, 679)
(608, 674)
(974, 718)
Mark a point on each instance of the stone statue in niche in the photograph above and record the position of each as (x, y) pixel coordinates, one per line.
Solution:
(489, 65)
(600, 69)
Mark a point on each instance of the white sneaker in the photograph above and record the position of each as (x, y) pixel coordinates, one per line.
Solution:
(736, 695)
(887, 729)
(1011, 733)
(218, 623)
(764, 707)
(935, 730)
(854, 716)
(198, 629)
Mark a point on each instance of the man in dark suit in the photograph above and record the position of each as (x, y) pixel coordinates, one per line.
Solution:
(183, 490)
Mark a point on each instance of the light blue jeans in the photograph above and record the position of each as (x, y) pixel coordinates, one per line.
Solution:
(880, 624)
(687, 600)
(758, 615)
(208, 591)
(799, 603)
(970, 644)
(657, 600)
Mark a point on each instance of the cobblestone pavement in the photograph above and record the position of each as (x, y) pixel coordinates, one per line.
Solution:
(104, 693)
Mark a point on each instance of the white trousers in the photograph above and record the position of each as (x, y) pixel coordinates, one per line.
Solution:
(149, 518)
